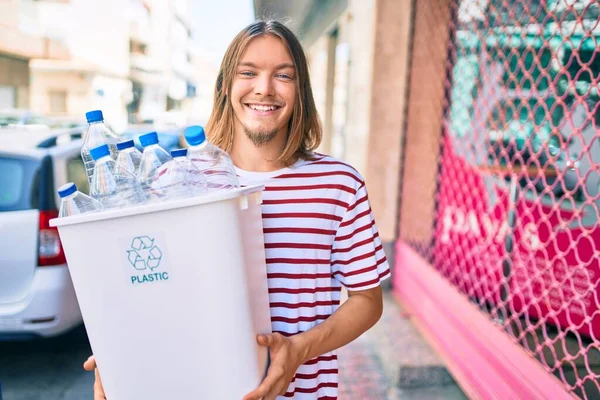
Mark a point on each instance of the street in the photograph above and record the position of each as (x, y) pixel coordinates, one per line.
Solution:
(46, 369)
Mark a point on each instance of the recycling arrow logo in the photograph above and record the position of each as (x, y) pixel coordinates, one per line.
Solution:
(144, 254)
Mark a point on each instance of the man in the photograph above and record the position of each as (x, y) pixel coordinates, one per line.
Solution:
(319, 230)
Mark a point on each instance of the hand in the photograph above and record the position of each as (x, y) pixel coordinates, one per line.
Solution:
(90, 365)
(287, 355)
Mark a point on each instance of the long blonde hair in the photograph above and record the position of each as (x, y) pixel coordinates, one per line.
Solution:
(304, 129)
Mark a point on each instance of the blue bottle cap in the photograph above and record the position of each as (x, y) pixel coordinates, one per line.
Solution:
(125, 145)
(67, 189)
(194, 135)
(99, 152)
(148, 139)
(94, 116)
(178, 153)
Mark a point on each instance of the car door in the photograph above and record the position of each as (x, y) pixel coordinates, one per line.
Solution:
(19, 225)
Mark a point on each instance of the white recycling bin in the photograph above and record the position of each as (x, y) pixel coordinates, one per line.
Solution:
(173, 295)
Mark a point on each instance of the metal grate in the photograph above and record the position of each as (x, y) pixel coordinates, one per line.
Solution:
(516, 227)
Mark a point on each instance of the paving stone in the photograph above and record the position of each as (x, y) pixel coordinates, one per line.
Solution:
(392, 361)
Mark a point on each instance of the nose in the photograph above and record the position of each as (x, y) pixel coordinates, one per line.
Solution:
(264, 85)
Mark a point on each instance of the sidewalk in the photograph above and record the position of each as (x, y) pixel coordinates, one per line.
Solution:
(392, 362)
(389, 362)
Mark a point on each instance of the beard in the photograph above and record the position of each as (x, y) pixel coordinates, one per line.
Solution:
(260, 137)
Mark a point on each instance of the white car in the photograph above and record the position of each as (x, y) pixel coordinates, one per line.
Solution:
(36, 293)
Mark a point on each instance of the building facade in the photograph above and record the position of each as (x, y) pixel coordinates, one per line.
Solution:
(21, 41)
(131, 59)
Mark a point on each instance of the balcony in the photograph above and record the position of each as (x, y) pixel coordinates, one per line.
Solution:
(140, 30)
(309, 18)
(24, 45)
(144, 64)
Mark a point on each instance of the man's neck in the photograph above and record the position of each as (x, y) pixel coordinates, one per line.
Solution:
(249, 157)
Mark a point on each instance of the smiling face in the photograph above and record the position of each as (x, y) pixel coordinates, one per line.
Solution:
(263, 91)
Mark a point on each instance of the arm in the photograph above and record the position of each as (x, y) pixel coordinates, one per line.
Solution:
(359, 313)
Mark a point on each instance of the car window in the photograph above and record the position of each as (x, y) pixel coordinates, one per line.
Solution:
(37, 120)
(76, 174)
(18, 184)
(6, 120)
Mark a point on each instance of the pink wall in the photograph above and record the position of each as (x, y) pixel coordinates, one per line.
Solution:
(483, 359)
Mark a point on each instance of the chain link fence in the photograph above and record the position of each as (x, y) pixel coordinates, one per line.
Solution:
(517, 192)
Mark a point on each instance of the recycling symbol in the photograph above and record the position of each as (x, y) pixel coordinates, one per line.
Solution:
(143, 253)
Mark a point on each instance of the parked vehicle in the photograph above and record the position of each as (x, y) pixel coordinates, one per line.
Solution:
(36, 293)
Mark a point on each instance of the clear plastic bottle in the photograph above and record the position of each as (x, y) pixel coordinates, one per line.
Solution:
(214, 163)
(97, 134)
(195, 180)
(171, 182)
(111, 189)
(152, 158)
(129, 158)
(73, 202)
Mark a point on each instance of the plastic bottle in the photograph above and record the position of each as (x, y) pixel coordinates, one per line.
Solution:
(171, 182)
(97, 134)
(194, 177)
(214, 163)
(113, 190)
(73, 202)
(129, 158)
(152, 158)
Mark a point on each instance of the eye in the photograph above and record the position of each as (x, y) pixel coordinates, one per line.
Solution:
(247, 73)
(284, 76)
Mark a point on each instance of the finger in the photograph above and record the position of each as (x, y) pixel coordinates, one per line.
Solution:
(99, 396)
(90, 363)
(263, 340)
(98, 388)
(267, 385)
(267, 340)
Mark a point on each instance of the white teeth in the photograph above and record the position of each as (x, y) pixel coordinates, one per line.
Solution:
(259, 107)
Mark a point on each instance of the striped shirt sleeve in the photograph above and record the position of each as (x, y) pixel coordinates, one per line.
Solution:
(357, 257)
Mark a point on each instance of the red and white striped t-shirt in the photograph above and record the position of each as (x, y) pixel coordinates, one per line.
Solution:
(319, 234)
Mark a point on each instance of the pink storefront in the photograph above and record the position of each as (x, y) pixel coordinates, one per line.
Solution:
(499, 259)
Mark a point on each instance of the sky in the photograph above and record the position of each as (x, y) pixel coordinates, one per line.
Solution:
(216, 22)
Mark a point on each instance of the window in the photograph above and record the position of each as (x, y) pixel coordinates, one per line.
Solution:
(58, 101)
(525, 100)
(19, 182)
(136, 47)
(8, 97)
(8, 119)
